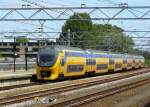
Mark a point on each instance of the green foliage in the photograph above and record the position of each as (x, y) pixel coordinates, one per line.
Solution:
(147, 57)
(98, 36)
(22, 40)
(78, 24)
(111, 38)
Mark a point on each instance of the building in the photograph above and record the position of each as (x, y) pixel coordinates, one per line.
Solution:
(9, 48)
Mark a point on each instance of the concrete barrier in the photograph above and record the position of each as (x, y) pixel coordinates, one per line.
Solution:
(15, 78)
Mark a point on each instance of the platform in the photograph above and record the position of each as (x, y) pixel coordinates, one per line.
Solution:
(9, 78)
(18, 74)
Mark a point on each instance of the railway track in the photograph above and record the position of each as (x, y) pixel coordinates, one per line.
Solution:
(19, 86)
(26, 85)
(45, 92)
(98, 95)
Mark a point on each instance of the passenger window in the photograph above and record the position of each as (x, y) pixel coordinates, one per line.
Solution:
(72, 68)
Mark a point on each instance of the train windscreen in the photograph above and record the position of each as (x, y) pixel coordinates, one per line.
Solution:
(47, 58)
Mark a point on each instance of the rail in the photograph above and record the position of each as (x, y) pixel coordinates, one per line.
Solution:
(45, 92)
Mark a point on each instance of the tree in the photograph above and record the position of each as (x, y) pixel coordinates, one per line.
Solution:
(111, 38)
(85, 34)
(22, 39)
(78, 23)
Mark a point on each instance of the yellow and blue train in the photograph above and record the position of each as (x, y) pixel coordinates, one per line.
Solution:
(59, 62)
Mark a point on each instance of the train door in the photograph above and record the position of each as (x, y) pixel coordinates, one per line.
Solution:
(63, 60)
(111, 64)
(90, 63)
(93, 65)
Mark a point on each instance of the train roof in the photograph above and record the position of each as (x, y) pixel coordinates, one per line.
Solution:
(59, 48)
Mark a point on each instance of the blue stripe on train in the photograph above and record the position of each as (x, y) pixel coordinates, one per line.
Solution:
(87, 55)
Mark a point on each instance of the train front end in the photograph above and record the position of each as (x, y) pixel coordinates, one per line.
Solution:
(47, 64)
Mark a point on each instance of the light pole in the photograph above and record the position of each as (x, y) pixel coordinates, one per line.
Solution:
(14, 54)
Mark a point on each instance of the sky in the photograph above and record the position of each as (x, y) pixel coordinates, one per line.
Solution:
(55, 26)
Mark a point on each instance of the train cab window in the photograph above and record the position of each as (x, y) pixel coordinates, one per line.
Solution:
(47, 57)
